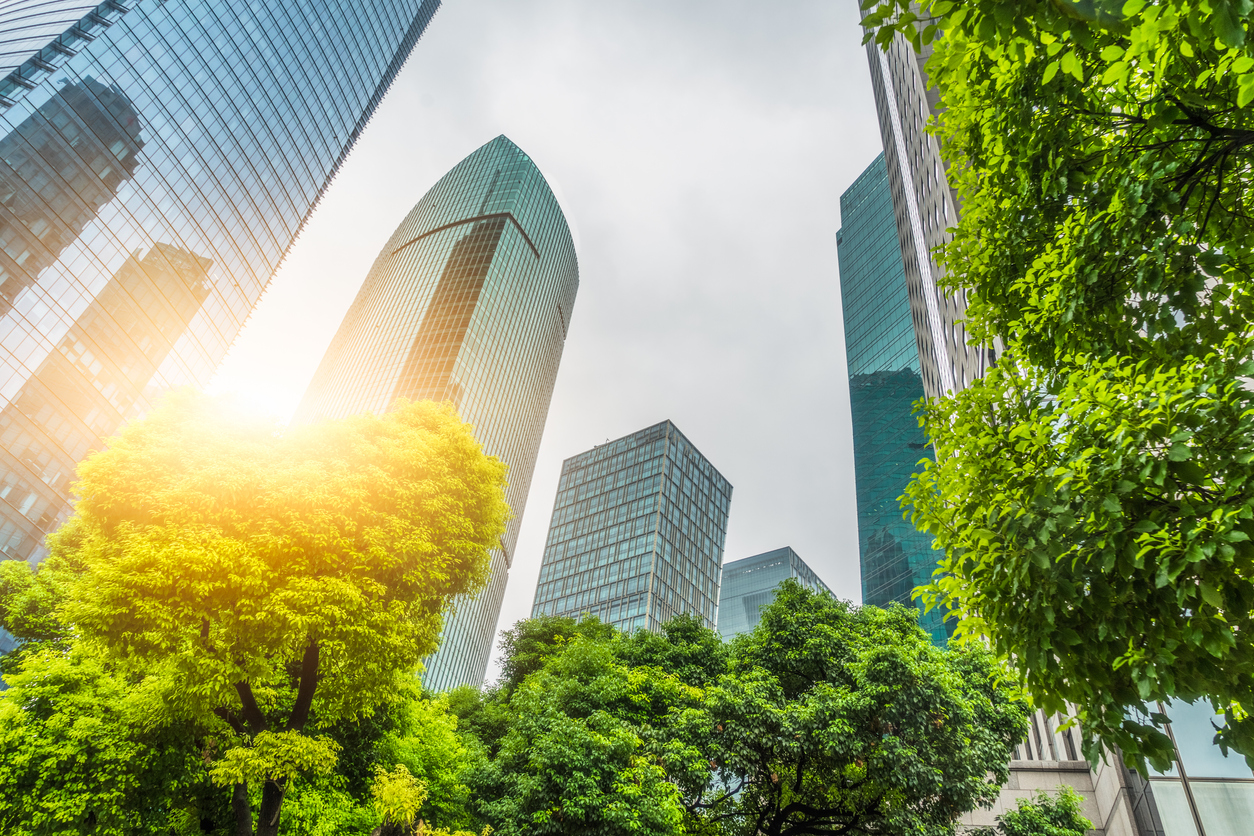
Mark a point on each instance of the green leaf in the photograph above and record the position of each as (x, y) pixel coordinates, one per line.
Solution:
(1245, 90)
(1230, 18)
(1112, 53)
(1132, 8)
(1179, 452)
(1051, 70)
(1211, 596)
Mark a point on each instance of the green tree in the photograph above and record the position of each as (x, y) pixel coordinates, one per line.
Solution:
(277, 581)
(837, 719)
(827, 719)
(574, 760)
(532, 641)
(83, 750)
(1045, 815)
(1093, 495)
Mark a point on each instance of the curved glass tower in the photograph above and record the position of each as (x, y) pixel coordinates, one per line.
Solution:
(157, 158)
(468, 302)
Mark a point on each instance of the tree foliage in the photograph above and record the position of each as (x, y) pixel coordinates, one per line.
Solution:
(827, 719)
(276, 582)
(1043, 815)
(1093, 495)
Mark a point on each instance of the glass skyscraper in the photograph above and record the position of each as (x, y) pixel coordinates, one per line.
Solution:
(157, 158)
(749, 584)
(637, 533)
(468, 302)
(884, 384)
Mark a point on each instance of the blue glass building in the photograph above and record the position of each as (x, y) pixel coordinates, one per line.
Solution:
(749, 584)
(637, 533)
(884, 384)
(468, 302)
(157, 159)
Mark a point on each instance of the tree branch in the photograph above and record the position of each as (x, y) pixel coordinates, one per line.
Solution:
(308, 684)
(250, 712)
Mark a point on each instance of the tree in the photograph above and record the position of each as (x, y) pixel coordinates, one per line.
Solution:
(827, 719)
(573, 762)
(837, 719)
(278, 581)
(80, 752)
(1044, 815)
(1093, 495)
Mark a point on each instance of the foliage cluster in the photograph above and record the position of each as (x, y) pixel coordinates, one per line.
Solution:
(1094, 494)
(826, 719)
(232, 608)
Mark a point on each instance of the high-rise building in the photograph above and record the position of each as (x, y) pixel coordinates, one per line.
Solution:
(157, 159)
(925, 207)
(468, 302)
(637, 533)
(884, 384)
(95, 377)
(749, 584)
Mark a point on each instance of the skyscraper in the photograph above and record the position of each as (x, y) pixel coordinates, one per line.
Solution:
(637, 533)
(924, 207)
(468, 302)
(884, 384)
(156, 162)
(93, 379)
(749, 584)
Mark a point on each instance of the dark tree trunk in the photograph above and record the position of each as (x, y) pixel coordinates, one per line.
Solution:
(239, 806)
(271, 803)
(273, 791)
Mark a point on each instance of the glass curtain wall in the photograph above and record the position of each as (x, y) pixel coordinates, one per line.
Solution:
(1206, 793)
(157, 159)
(468, 302)
(637, 533)
(884, 384)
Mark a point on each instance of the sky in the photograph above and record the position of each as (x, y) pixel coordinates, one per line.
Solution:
(698, 150)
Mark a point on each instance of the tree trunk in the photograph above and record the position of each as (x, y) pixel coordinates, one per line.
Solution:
(271, 803)
(243, 815)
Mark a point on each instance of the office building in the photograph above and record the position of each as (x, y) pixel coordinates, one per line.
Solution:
(637, 533)
(749, 584)
(96, 376)
(156, 162)
(884, 384)
(924, 207)
(468, 302)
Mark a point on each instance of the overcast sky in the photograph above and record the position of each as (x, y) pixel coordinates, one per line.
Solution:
(698, 149)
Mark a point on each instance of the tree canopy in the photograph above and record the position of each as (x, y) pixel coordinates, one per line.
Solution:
(1093, 494)
(275, 583)
(828, 719)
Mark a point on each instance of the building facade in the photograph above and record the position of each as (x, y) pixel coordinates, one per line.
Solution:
(749, 584)
(885, 382)
(637, 533)
(924, 208)
(157, 159)
(468, 302)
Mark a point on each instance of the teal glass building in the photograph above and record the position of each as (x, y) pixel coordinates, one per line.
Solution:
(637, 533)
(157, 159)
(749, 584)
(468, 302)
(884, 384)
